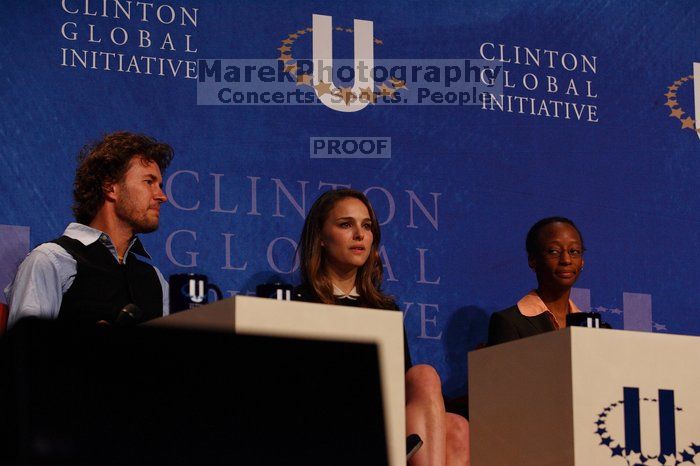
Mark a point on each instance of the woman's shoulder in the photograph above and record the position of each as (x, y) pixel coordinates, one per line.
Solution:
(511, 311)
(305, 292)
(503, 326)
(385, 303)
(513, 316)
(393, 306)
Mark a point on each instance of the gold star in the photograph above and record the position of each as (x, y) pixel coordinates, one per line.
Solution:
(684, 79)
(290, 68)
(678, 83)
(304, 79)
(677, 112)
(338, 28)
(293, 36)
(688, 123)
(378, 42)
(309, 30)
(301, 32)
(347, 95)
(670, 94)
(287, 41)
(284, 48)
(323, 88)
(366, 95)
(398, 83)
(348, 30)
(386, 90)
(671, 103)
(284, 58)
(672, 88)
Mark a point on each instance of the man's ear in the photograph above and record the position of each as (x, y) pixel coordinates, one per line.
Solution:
(110, 191)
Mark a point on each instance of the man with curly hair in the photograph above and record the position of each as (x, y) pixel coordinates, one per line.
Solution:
(93, 270)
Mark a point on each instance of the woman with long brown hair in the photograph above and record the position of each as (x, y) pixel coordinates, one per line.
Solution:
(340, 264)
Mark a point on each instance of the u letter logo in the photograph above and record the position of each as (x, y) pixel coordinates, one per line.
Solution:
(667, 422)
(196, 295)
(323, 61)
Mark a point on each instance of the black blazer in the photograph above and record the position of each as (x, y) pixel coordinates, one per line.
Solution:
(306, 293)
(509, 324)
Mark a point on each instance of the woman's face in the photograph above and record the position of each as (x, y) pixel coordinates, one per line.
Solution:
(559, 258)
(346, 237)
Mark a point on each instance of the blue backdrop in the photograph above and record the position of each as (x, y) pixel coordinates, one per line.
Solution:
(463, 182)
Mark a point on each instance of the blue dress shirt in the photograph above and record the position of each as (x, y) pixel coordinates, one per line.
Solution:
(48, 272)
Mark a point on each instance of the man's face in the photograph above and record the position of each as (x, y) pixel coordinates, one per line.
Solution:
(139, 195)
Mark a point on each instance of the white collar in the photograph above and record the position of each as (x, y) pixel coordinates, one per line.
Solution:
(88, 235)
(338, 293)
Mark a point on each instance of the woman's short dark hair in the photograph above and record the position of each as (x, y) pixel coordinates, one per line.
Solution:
(533, 236)
(106, 161)
(311, 253)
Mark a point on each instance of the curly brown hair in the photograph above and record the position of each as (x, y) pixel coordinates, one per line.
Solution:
(311, 254)
(106, 161)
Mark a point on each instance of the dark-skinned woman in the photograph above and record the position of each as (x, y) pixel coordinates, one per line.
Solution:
(555, 253)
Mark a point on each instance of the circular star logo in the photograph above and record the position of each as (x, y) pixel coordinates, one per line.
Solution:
(687, 122)
(387, 88)
(686, 456)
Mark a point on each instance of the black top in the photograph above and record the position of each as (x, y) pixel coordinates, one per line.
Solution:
(102, 286)
(509, 324)
(306, 293)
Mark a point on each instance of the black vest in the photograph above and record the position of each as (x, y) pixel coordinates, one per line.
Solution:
(102, 286)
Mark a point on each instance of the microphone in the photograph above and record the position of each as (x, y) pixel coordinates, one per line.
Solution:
(584, 319)
(277, 290)
(128, 316)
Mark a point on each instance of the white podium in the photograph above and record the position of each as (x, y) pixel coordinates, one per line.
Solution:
(586, 397)
(261, 316)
